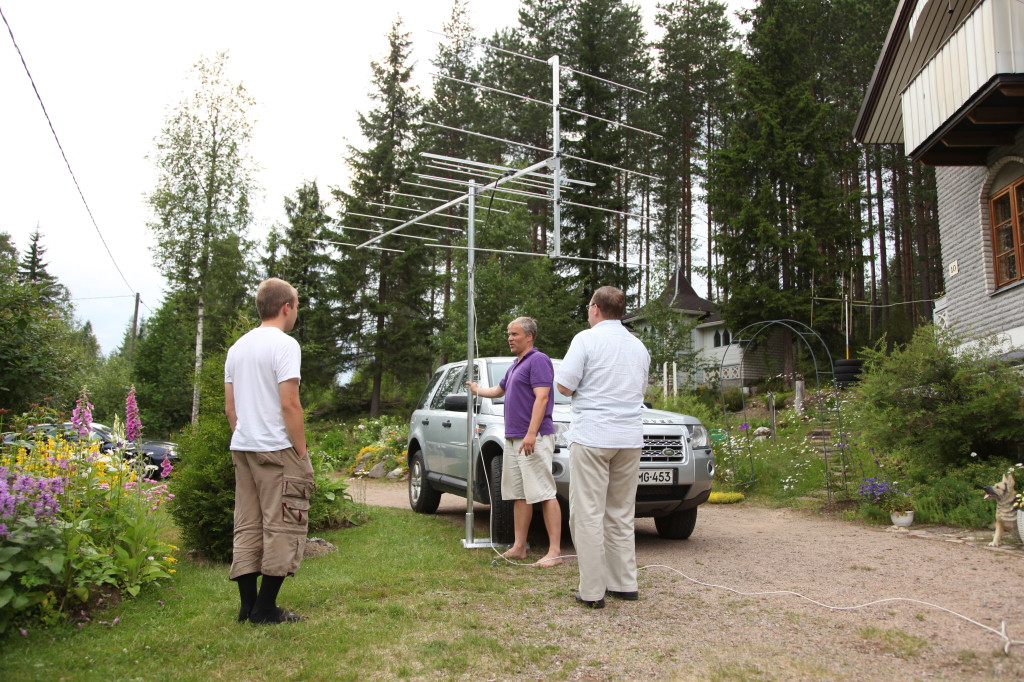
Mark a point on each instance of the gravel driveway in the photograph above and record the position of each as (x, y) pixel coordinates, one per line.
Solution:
(683, 630)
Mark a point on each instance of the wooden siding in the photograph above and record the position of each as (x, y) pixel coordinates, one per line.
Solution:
(989, 42)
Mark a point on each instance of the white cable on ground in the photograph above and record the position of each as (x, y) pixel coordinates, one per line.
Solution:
(1001, 633)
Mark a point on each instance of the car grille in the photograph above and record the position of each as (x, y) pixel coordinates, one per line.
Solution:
(663, 449)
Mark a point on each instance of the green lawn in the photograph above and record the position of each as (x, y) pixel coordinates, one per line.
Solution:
(400, 598)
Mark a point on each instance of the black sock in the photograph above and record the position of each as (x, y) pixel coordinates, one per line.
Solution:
(266, 601)
(247, 593)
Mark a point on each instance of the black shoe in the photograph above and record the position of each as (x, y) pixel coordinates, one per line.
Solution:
(599, 604)
(625, 596)
(275, 617)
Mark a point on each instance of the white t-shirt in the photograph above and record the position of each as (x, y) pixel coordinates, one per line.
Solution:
(607, 367)
(256, 364)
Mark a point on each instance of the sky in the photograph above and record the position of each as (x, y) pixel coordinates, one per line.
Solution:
(109, 72)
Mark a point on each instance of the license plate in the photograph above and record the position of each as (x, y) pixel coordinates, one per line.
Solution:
(657, 477)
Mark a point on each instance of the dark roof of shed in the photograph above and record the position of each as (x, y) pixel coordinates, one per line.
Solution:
(679, 294)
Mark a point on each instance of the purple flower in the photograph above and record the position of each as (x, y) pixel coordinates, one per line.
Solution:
(23, 631)
(133, 425)
(744, 426)
(81, 416)
(166, 467)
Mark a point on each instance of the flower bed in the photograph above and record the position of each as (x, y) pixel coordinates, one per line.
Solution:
(75, 522)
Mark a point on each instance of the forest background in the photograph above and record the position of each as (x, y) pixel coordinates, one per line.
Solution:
(755, 141)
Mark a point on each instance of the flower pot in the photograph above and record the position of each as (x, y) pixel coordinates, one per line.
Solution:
(902, 518)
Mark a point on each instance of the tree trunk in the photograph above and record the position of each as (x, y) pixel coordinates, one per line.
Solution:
(199, 360)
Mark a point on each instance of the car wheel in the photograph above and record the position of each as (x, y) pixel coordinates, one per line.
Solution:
(503, 529)
(422, 498)
(678, 525)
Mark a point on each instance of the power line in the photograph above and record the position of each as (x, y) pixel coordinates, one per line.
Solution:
(64, 155)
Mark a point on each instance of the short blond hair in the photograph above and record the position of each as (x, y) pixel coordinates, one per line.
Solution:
(271, 295)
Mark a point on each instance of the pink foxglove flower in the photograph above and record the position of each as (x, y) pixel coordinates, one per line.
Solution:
(81, 416)
(133, 425)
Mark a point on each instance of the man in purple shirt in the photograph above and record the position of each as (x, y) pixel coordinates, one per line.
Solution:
(529, 439)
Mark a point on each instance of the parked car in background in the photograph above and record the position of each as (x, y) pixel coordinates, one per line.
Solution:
(677, 466)
(155, 451)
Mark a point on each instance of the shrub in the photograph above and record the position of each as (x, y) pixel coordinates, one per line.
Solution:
(204, 488)
(688, 403)
(952, 500)
(939, 400)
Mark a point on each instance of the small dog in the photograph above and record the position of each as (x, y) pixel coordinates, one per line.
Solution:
(1006, 516)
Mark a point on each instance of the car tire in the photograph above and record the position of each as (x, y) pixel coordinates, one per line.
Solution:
(678, 525)
(503, 531)
(422, 498)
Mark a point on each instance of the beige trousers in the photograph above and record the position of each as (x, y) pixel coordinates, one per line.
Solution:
(272, 492)
(602, 504)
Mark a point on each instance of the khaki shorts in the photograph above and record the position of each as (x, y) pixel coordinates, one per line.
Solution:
(272, 492)
(528, 477)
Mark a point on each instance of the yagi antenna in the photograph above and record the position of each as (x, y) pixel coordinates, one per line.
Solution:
(544, 176)
(544, 61)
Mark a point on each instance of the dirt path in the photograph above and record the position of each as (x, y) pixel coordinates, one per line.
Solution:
(683, 630)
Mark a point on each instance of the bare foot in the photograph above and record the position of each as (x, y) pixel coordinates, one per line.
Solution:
(513, 554)
(549, 561)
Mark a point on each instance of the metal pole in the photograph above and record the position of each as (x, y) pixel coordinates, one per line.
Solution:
(470, 338)
(556, 153)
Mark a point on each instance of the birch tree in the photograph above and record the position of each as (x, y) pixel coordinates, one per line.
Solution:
(201, 201)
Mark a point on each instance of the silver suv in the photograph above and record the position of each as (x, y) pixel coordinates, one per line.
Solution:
(677, 466)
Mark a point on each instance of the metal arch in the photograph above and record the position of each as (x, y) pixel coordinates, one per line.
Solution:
(806, 334)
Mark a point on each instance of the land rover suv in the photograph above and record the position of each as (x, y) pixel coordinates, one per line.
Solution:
(677, 466)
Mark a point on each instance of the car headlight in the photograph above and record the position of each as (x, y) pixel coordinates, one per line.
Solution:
(560, 429)
(698, 436)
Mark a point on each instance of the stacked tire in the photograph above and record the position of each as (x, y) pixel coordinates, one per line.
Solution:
(847, 372)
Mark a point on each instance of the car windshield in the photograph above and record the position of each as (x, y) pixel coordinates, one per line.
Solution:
(497, 373)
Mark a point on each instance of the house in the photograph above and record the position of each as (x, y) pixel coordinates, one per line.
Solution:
(711, 339)
(949, 86)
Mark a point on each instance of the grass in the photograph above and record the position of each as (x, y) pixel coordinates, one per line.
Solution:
(399, 599)
(895, 642)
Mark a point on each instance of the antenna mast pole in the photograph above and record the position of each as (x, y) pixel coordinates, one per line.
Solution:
(556, 155)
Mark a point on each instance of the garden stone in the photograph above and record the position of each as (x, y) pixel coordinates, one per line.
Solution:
(762, 433)
(396, 473)
(377, 471)
(316, 547)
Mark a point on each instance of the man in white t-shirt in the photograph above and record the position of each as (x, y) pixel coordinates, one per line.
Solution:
(273, 475)
(605, 372)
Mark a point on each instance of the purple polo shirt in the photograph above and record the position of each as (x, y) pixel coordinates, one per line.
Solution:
(534, 370)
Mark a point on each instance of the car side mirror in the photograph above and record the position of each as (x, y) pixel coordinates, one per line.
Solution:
(648, 404)
(456, 402)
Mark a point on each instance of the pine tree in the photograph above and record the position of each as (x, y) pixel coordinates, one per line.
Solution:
(694, 57)
(607, 41)
(776, 186)
(32, 271)
(394, 284)
(306, 266)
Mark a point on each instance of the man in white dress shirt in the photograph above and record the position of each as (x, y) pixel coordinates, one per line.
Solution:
(605, 372)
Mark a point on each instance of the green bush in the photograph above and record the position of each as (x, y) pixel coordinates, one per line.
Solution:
(203, 484)
(687, 403)
(940, 400)
(953, 501)
(204, 488)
